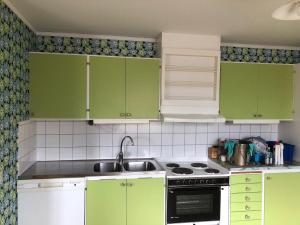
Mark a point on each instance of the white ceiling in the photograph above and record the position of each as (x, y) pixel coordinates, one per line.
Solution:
(237, 21)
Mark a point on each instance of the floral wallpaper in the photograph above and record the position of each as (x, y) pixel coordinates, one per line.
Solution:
(95, 46)
(15, 42)
(259, 55)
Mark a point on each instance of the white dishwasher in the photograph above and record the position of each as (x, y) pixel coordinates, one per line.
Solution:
(51, 202)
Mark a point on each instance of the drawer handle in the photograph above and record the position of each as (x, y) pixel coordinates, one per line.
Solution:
(122, 184)
(247, 207)
(247, 198)
(247, 179)
(130, 184)
(247, 217)
(247, 189)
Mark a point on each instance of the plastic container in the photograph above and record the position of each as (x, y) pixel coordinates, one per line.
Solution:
(288, 151)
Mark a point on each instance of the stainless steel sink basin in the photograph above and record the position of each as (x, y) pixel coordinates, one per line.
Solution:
(107, 167)
(139, 166)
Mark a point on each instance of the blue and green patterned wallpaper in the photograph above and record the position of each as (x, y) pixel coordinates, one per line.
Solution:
(149, 49)
(16, 40)
(259, 55)
(95, 46)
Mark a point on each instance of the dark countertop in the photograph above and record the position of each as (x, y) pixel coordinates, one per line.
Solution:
(253, 166)
(60, 169)
(76, 169)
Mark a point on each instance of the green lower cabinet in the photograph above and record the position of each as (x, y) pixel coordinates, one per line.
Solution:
(246, 199)
(126, 202)
(106, 202)
(146, 201)
(282, 199)
(57, 86)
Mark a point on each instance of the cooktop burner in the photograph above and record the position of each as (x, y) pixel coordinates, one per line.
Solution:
(172, 165)
(210, 170)
(199, 165)
(182, 170)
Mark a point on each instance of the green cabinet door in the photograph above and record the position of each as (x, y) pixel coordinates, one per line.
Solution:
(275, 91)
(57, 86)
(106, 202)
(146, 201)
(238, 95)
(142, 88)
(107, 87)
(282, 199)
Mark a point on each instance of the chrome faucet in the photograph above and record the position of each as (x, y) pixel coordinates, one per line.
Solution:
(120, 155)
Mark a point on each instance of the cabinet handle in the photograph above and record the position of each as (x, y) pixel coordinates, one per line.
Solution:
(269, 178)
(259, 115)
(247, 198)
(247, 179)
(247, 207)
(130, 184)
(255, 115)
(122, 114)
(128, 115)
(122, 184)
(247, 217)
(247, 189)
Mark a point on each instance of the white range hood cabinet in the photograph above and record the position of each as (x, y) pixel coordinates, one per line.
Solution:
(190, 77)
(193, 118)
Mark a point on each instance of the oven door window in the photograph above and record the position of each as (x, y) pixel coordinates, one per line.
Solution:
(194, 204)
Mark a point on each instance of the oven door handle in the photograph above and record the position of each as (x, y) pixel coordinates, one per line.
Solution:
(194, 186)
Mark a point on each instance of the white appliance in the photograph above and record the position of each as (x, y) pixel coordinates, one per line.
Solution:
(51, 202)
(198, 194)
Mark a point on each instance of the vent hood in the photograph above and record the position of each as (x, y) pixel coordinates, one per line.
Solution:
(193, 118)
(190, 78)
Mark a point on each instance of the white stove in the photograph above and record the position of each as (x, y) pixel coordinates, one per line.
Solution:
(194, 169)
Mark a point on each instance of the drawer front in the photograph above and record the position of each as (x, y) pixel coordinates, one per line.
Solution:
(245, 188)
(246, 179)
(246, 197)
(245, 216)
(251, 222)
(245, 206)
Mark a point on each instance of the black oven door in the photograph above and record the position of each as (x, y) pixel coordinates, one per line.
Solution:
(193, 204)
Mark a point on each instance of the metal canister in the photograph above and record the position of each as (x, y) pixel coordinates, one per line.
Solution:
(240, 154)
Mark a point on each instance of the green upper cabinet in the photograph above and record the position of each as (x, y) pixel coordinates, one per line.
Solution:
(238, 98)
(146, 201)
(124, 88)
(107, 87)
(276, 91)
(256, 91)
(106, 202)
(57, 86)
(282, 199)
(142, 88)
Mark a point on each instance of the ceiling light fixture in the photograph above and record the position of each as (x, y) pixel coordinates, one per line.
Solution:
(289, 11)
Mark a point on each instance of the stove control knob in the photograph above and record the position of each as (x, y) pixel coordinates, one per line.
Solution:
(213, 181)
(208, 181)
(201, 181)
(192, 182)
(178, 182)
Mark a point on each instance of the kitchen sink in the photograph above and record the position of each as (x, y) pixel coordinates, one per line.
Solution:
(139, 166)
(107, 167)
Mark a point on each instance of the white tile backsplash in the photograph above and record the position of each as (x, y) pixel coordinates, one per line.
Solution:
(27, 144)
(70, 140)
